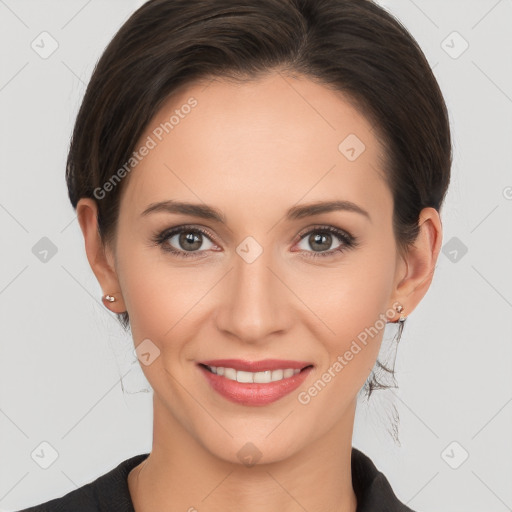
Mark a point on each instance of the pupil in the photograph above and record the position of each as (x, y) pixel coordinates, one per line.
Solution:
(188, 238)
(315, 239)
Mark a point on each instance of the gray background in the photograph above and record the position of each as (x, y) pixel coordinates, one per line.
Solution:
(63, 353)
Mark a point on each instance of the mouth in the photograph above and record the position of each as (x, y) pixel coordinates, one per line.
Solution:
(254, 382)
(259, 377)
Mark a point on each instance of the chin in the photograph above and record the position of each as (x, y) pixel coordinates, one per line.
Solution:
(264, 442)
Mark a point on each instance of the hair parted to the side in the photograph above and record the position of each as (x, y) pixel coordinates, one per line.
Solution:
(352, 46)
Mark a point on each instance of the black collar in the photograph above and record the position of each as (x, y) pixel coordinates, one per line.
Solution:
(372, 489)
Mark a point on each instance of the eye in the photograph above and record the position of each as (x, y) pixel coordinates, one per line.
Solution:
(320, 238)
(188, 241)
(185, 241)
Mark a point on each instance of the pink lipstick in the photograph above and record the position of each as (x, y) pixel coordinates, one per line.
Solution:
(254, 382)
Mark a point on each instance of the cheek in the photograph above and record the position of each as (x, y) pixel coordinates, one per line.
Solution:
(352, 302)
(351, 297)
(353, 305)
(156, 294)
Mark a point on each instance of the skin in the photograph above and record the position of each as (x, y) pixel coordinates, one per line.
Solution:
(253, 150)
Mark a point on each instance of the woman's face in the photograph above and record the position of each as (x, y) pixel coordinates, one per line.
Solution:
(263, 283)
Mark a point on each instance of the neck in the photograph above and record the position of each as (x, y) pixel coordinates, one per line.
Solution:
(181, 475)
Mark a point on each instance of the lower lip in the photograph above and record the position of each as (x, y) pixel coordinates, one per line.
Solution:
(245, 393)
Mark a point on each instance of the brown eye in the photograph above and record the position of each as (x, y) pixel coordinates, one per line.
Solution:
(185, 241)
(321, 241)
(189, 240)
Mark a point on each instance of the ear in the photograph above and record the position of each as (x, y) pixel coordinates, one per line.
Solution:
(100, 257)
(420, 261)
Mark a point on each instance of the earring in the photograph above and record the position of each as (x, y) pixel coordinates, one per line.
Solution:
(110, 298)
(401, 321)
(399, 309)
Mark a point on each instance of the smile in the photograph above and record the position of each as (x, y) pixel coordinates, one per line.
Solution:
(254, 383)
(258, 377)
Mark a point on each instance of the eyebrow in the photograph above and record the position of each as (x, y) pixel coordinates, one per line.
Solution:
(296, 212)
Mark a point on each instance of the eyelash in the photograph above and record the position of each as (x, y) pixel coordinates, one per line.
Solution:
(348, 241)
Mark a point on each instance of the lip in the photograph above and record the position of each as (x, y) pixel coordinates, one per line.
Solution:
(255, 394)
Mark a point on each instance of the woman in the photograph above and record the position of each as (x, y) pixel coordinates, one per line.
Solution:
(259, 185)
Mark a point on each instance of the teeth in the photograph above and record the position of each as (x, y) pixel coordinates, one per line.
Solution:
(258, 377)
(244, 376)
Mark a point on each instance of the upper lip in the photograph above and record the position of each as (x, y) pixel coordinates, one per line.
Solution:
(257, 366)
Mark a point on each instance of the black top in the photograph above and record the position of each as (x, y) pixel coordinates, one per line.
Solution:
(109, 492)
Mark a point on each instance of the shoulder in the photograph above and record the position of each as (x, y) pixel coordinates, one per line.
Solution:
(372, 488)
(108, 492)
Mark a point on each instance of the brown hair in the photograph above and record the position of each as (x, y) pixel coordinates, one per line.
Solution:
(352, 46)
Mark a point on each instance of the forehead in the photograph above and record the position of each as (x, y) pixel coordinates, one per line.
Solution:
(277, 138)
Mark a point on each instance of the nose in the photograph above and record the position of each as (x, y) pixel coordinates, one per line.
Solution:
(255, 304)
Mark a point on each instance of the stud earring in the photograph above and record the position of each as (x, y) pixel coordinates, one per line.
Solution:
(401, 322)
(110, 298)
(399, 309)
